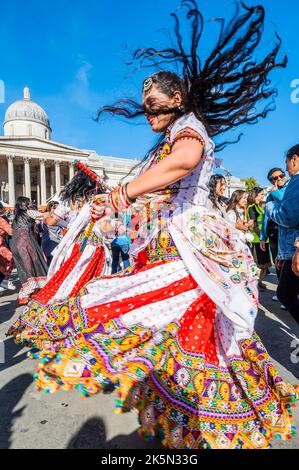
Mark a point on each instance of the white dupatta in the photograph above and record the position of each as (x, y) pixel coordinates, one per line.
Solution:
(63, 251)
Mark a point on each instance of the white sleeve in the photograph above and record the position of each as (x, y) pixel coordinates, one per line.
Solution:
(231, 217)
(188, 127)
(62, 211)
(35, 214)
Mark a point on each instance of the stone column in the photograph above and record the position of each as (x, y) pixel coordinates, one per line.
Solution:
(71, 171)
(52, 186)
(57, 176)
(43, 182)
(27, 177)
(38, 194)
(11, 180)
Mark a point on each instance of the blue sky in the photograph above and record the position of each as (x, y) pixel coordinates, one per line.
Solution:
(73, 54)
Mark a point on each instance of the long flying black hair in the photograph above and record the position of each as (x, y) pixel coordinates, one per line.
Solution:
(80, 186)
(225, 89)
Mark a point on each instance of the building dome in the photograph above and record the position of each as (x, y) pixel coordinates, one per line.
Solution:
(26, 118)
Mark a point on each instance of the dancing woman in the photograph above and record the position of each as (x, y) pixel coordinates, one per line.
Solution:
(72, 199)
(72, 267)
(175, 335)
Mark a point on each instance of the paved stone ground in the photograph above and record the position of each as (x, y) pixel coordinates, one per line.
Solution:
(30, 420)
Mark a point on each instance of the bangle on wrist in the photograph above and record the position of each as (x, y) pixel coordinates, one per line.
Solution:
(131, 200)
(114, 200)
(119, 198)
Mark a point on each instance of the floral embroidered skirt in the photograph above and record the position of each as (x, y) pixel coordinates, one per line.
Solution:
(195, 377)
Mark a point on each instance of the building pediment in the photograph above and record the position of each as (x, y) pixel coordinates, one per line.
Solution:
(38, 145)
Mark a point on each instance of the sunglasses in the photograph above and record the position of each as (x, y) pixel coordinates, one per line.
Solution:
(278, 177)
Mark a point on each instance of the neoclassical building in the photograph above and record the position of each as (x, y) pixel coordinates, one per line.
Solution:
(33, 165)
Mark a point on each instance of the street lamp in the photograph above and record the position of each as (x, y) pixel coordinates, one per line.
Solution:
(229, 175)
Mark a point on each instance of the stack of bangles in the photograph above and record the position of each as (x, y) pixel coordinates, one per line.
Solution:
(119, 198)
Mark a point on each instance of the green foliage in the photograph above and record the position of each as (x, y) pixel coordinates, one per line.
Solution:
(251, 183)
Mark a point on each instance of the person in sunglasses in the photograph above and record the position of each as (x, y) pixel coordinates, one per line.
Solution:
(286, 214)
(278, 179)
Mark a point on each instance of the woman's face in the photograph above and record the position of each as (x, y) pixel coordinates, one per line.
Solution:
(220, 187)
(260, 197)
(243, 201)
(153, 101)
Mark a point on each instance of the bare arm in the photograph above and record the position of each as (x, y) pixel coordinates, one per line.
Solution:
(183, 159)
(36, 215)
(51, 220)
(58, 216)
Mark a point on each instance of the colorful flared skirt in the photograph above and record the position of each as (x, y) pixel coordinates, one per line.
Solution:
(169, 352)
